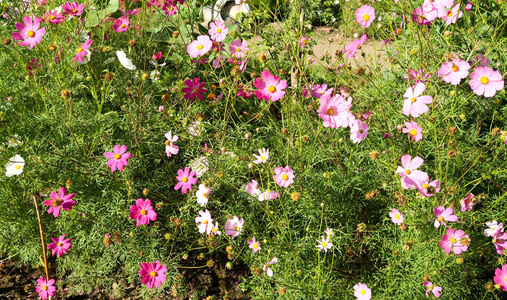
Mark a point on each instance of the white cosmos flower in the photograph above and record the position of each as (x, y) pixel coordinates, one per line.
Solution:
(14, 166)
(127, 63)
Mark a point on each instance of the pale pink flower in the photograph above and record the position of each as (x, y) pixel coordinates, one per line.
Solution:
(358, 131)
(321, 90)
(268, 195)
(262, 157)
(234, 226)
(365, 15)
(352, 48)
(45, 288)
(415, 104)
(186, 179)
(431, 288)
(329, 232)
(238, 49)
(500, 242)
(466, 203)
(253, 188)
(413, 130)
(442, 214)
(410, 176)
(451, 240)
(335, 111)
(81, 51)
(324, 244)
(452, 15)
(218, 31)
(215, 230)
(453, 71)
(418, 16)
(60, 245)
(117, 158)
(29, 32)
(423, 188)
(304, 41)
(362, 291)
(59, 201)
(486, 81)
(254, 245)
(494, 228)
(202, 194)
(396, 216)
(267, 267)
(121, 25)
(200, 46)
(269, 88)
(73, 8)
(283, 176)
(194, 89)
(152, 274)
(501, 277)
(143, 212)
(204, 222)
(170, 147)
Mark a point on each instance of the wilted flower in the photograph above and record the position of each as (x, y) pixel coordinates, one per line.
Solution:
(435, 289)
(267, 267)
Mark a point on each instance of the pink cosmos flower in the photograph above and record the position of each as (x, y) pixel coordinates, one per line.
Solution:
(321, 90)
(170, 9)
(29, 32)
(435, 289)
(54, 16)
(335, 111)
(262, 157)
(45, 288)
(452, 15)
(254, 245)
(215, 230)
(453, 71)
(157, 56)
(452, 241)
(283, 176)
(269, 88)
(117, 158)
(202, 194)
(143, 212)
(501, 277)
(204, 222)
(442, 214)
(415, 104)
(200, 46)
(500, 242)
(152, 274)
(362, 292)
(121, 25)
(410, 176)
(413, 130)
(268, 195)
(418, 75)
(493, 229)
(423, 188)
(194, 89)
(170, 148)
(482, 60)
(218, 31)
(81, 51)
(358, 131)
(486, 81)
(60, 245)
(304, 41)
(418, 16)
(365, 15)
(253, 188)
(267, 267)
(59, 201)
(234, 226)
(186, 179)
(73, 9)
(324, 244)
(466, 203)
(238, 49)
(352, 48)
(396, 216)
(468, 7)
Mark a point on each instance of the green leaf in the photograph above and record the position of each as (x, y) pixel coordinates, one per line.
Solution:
(95, 16)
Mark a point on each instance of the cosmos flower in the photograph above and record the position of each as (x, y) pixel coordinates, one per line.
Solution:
(413, 130)
(143, 212)
(117, 158)
(269, 88)
(254, 245)
(186, 179)
(194, 89)
(218, 31)
(234, 226)
(121, 25)
(60, 245)
(283, 176)
(152, 274)
(14, 166)
(365, 15)
(202, 194)
(267, 267)
(324, 244)
(30, 34)
(73, 8)
(262, 157)
(170, 148)
(200, 46)
(204, 222)
(59, 201)
(81, 51)
(127, 63)
(435, 289)
(238, 49)
(362, 292)
(453, 71)
(45, 288)
(396, 216)
(415, 104)
(454, 240)
(442, 214)
(486, 81)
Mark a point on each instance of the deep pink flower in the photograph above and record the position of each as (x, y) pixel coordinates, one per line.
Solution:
(170, 8)
(442, 214)
(269, 88)
(501, 277)
(419, 75)
(60, 245)
(362, 291)
(452, 241)
(121, 25)
(238, 49)
(352, 48)
(53, 16)
(415, 104)
(45, 288)
(204, 222)
(283, 176)
(396, 216)
(304, 41)
(453, 71)
(81, 51)
(254, 245)
(423, 188)
(466, 203)
(194, 89)
(234, 226)
(117, 158)
(365, 15)
(335, 111)
(73, 9)
(29, 32)
(410, 176)
(358, 131)
(413, 130)
(486, 81)
(59, 201)
(157, 56)
(152, 274)
(143, 212)
(186, 179)
(200, 46)
(170, 148)
(218, 31)
(431, 288)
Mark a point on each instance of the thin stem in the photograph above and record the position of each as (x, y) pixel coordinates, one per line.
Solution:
(41, 237)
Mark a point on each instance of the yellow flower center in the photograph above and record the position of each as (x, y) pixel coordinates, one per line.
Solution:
(185, 179)
(425, 185)
(430, 288)
(237, 228)
(44, 287)
(408, 172)
(267, 265)
(413, 132)
(285, 177)
(30, 33)
(60, 244)
(74, 10)
(201, 167)
(143, 212)
(453, 240)
(123, 26)
(363, 292)
(168, 143)
(322, 93)
(505, 279)
(366, 17)
(79, 50)
(396, 215)
(200, 47)
(51, 17)
(455, 68)
(219, 30)
(441, 219)
(171, 8)
(449, 14)
(214, 229)
(205, 221)
(255, 246)
(56, 202)
(324, 244)
(263, 157)
(271, 89)
(18, 167)
(484, 80)
(117, 156)
(153, 273)
(414, 99)
(238, 49)
(330, 111)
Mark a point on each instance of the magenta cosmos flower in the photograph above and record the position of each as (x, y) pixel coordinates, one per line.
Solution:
(453, 71)
(501, 277)
(204, 222)
(60, 245)
(143, 212)
(466, 203)
(194, 89)
(53, 16)
(200, 46)
(413, 130)
(45, 288)
(30, 34)
(358, 131)
(234, 226)
(269, 87)
(283, 176)
(431, 288)
(121, 25)
(186, 179)
(396, 216)
(362, 291)
(335, 111)
(73, 8)
(117, 158)
(365, 15)
(254, 245)
(415, 104)
(59, 201)
(455, 241)
(152, 274)
(218, 31)
(442, 214)
(81, 51)
(410, 176)
(486, 81)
